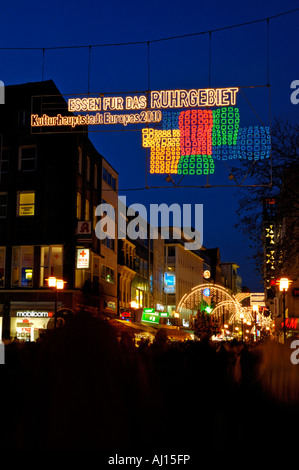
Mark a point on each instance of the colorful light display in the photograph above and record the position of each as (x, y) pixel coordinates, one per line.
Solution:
(190, 141)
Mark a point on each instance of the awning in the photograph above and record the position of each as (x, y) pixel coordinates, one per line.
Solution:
(173, 332)
(122, 325)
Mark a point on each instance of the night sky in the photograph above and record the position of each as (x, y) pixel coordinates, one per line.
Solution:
(238, 58)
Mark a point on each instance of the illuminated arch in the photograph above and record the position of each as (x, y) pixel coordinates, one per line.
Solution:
(223, 301)
(241, 296)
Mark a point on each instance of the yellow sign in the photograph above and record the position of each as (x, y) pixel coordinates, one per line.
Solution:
(149, 107)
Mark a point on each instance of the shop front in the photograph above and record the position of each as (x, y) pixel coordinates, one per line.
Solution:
(291, 327)
(1, 320)
(29, 321)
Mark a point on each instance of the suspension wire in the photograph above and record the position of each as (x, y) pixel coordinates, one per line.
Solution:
(43, 64)
(268, 51)
(209, 32)
(157, 40)
(88, 78)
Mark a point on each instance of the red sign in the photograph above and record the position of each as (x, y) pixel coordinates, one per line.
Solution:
(291, 323)
(296, 292)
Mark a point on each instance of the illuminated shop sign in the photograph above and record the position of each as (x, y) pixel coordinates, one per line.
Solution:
(206, 292)
(33, 314)
(110, 305)
(291, 323)
(207, 274)
(150, 316)
(83, 256)
(169, 283)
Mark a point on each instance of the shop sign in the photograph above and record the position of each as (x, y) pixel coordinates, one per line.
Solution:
(83, 256)
(150, 316)
(164, 314)
(206, 292)
(125, 315)
(84, 231)
(33, 314)
(291, 323)
(207, 274)
(169, 283)
(296, 292)
(110, 305)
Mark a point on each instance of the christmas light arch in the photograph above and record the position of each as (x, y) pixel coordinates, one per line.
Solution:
(220, 298)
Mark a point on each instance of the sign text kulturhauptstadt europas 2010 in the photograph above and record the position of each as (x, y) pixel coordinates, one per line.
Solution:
(149, 106)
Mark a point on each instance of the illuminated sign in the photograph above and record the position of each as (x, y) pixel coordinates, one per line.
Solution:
(207, 274)
(206, 292)
(33, 313)
(110, 304)
(83, 255)
(149, 106)
(150, 316)
(204, 126)
(169, 283)
(190, 141)
(291, 323)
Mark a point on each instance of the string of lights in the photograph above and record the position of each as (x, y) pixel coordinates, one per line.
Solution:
(186, 165)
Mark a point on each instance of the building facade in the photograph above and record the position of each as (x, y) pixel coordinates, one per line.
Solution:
(50, 185)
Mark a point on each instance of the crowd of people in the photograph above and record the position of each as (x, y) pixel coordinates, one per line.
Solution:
(81, 387)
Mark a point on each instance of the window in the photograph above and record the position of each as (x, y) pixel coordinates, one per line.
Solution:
(27, 158)
(79, 205)
(107, 274)
(21, 118)
(80, 160)
(94, 217)
(95, 177)
(25, 203)
(87, 209)
(96, 270)
(88, 168)
(51, 262)
(109, 179)
(22, 266)
(4, 160)
(3, 205)
(108, 242)
(2, 266)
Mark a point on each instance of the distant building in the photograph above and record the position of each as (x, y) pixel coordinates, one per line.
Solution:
(183, 269)
(231, 278)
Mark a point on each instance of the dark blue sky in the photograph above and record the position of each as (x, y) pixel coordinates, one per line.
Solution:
(238, 57)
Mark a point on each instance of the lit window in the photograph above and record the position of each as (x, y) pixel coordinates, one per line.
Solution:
(2, 266)
(94, 218)
(87, 209)
(79, 199)
(27, 158)
(22, 266)
(50, 263)
(95, 182)
(25, 203)
(80, 160)
(88, 168)
(107, 274)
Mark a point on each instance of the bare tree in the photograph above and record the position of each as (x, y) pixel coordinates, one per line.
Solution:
(275, 180)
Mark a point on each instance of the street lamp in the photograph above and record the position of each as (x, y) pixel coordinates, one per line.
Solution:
(55, 284)
(242, 319)
(283, 287)
(255, 309)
